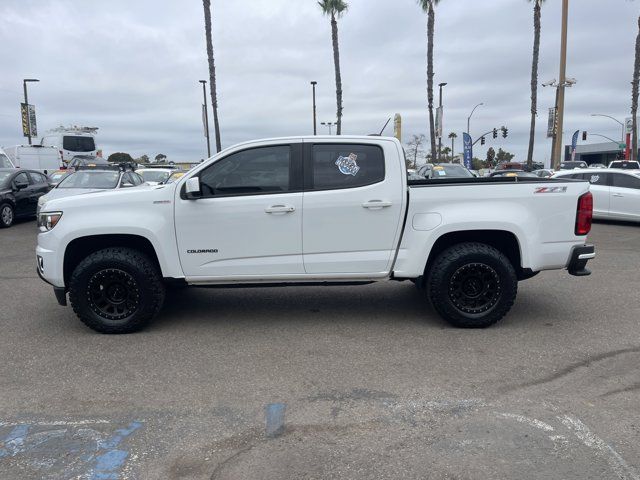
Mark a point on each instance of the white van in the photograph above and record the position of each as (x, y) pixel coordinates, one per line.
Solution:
(5, 161)
(35, 157)
(71, 141)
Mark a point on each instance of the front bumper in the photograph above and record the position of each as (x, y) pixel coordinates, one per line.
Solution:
(59, 292)
(578, 261)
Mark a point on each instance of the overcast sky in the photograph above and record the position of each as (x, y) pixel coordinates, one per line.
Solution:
(131, 68)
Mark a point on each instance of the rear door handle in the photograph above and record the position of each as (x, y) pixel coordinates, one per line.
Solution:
(618, 195)
(376, 204)
(280, 209)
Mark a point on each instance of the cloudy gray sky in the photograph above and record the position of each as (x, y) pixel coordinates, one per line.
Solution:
(132, 68)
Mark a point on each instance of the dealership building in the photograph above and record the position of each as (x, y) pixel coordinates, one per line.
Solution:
(603, 153)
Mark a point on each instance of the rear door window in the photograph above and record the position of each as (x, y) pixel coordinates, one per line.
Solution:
(337, 166)
(38, 178)
(626, 181)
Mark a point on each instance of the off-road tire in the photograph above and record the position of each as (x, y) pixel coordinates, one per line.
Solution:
(7, 215)
(472, 285)
(116, 290)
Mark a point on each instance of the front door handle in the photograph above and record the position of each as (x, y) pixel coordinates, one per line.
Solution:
(376, 204)
(280, 209)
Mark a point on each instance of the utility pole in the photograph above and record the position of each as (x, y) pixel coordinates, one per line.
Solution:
(315, 125)
(441, 121)
(562, 84)
(206, 117)
(26, 102)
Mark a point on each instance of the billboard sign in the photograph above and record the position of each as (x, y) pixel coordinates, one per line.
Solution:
(29, 125)
(439, 113)
(551, 124)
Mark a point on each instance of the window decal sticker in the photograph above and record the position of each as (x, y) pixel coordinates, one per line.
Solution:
(594, 178)
(348, 165)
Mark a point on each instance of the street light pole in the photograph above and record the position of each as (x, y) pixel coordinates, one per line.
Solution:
(206, 116)
(26, 102)
(444, 84)
(615, 120)
(562, 84)
(471, 115)
(315, 126)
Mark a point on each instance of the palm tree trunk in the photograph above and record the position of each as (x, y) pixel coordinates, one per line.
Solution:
(430, 33)
(534, 79)
(212, 72)
(336, 62)
(634, 98)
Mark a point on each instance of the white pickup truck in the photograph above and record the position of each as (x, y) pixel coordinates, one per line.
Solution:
(309, 211)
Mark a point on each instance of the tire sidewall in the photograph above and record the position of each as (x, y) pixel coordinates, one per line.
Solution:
(80, 282)
(13, 215)
(440, 281)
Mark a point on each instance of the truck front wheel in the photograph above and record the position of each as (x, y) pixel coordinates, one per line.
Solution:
(472, 285)
(116, 290)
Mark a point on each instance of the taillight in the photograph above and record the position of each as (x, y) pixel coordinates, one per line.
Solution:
(584, 216)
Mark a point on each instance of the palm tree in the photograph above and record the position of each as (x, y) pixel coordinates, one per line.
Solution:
(453, 136)
(634, 98)
(333, 9)
(212, 72)
(537, 26)
(428, 6)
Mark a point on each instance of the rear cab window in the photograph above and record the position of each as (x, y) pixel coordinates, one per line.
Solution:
(78, 143)
(342, 165)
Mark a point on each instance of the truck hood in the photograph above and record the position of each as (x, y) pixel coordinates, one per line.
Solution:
(119, 199)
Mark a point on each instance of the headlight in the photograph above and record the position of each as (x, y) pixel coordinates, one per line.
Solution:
(48, 220)
(42, 200)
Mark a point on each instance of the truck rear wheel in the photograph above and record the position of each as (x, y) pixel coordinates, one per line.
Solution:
(116, 290)
(472, 285)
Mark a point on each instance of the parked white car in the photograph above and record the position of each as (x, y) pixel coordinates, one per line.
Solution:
(35, 157)
(312, 210)
(616, 193)
(155, 176)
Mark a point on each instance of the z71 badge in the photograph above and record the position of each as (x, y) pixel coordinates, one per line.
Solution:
(348, 165)
(551, 190)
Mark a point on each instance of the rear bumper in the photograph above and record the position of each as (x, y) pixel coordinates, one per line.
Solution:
(578, 261)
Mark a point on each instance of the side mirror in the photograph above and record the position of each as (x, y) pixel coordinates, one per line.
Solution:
(127, 185)
(192, 188)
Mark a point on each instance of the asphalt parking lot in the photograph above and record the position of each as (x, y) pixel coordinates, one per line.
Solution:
(326, 382)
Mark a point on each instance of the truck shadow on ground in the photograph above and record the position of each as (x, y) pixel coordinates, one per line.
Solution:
(382, 304)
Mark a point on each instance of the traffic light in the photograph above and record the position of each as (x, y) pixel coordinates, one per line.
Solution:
(495, 133)
(584, 136)
(482, 141)
(505, 132)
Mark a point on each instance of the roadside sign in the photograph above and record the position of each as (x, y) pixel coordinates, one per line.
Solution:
(28, 114)
(628, 125)
(204, 121)
(574, 144)
(551, 124)
(397, 127)
(468, 150)
(622, 146)
(439, 112)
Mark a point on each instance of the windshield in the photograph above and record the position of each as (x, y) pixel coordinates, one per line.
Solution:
(91, 179)
(4, 161)
(175, 177)
(78, 144)
(154, 175)
(443, 171)
(4, 176)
